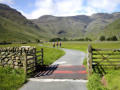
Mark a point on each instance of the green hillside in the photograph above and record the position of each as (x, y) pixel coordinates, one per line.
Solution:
(112, 29)
(15, 27)
(69, 27)
(76, 27)
(11, 31)
(109, 31)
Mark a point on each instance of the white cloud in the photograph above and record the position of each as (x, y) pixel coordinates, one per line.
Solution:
(107, 5)
(71, 7)
(88, 11)
(43, 7)
(68, 7)
(60, 8)
(7, 1)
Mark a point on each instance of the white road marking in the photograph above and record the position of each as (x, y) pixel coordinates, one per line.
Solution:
(61, 62)
(57, 80)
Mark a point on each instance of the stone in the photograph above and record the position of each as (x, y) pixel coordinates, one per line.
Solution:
(16, 63)
(6, 59)
(9, 62)
(16, 67)
(17, 58)
(12, 57)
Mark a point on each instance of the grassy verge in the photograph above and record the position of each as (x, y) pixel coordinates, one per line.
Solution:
(85, 62)
(12, 79)
(113, 80)
(51, 54)
(95, 83)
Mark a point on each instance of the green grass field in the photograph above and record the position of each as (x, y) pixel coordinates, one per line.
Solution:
(11, 79)
(82, 46)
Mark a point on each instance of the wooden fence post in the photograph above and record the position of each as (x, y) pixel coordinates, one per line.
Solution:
(42, 56)
(89, 61)
(25, 63)
(35, 58)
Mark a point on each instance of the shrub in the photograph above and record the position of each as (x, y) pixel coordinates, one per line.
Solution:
(113, 38)
(37, 41)
(55, 39)
(64, 39)
(87, 39)
(102, 38)
(5, 43)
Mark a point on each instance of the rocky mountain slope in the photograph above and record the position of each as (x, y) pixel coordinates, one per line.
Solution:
(76, 26)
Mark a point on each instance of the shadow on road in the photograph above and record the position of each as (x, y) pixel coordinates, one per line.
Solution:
(45, 70)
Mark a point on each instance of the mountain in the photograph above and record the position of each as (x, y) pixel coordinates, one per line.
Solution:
(70, 27)
(76, 26)
(112, 29)
(15, 27)
(100, 21)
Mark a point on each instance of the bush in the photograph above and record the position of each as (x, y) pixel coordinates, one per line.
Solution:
(83, 39)
(55, 39)
(113, 38)
(64, 39)
(87, 39)
(102, 38)
(37, 41)
(29, 41)
(5, 43)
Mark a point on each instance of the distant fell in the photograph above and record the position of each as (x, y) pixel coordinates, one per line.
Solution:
(79, 26)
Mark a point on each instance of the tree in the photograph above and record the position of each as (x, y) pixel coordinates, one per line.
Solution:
(29, 41)
(102, 38)
(65, 39)
(55, 39)
(37, 40)
(87, 39)
(114, 38)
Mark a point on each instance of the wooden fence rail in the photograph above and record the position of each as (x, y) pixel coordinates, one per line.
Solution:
(102, 57)
(21, 57)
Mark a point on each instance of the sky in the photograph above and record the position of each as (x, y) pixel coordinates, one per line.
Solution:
(33, 9)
